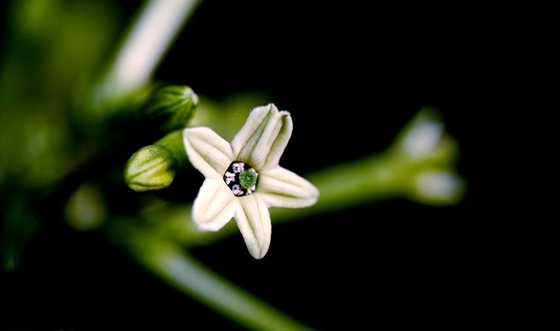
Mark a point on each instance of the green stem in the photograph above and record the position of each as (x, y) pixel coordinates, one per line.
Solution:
(172, 264)
(374, 178)
(173, 142)
(142, 48)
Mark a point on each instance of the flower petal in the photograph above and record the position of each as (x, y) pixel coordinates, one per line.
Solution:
(207, 151)
(214, 205)
(256, 118)
(253, 220)
(263, 138)
(279, 187)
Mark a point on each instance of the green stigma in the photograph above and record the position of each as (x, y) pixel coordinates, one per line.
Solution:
(248, 178)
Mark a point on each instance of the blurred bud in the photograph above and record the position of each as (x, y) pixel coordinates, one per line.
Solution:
(153, 167)
(436, 186)
(424, 139)
(171, 107)
(426, 154)
(85, 209)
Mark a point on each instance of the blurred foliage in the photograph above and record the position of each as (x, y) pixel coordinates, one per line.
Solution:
(51, 46)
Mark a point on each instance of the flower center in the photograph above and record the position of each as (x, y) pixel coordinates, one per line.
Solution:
(241, 178)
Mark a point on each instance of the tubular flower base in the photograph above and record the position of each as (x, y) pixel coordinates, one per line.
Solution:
(243, 179)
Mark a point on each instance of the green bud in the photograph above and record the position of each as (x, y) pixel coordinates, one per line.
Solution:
(171, 107)
(150, 168)
(153, 167)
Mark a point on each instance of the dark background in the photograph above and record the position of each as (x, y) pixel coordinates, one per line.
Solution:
(351, 75)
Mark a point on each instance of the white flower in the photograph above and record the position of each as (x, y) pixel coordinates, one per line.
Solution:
(258, 181)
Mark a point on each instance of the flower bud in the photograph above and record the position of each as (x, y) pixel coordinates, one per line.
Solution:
(436, 186)
(153, 167)
(150, 168)
(171, 107)
(424, 140)
(86, 209)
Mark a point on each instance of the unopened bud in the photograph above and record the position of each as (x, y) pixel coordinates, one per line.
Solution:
(424, 140)
(150, 168)
(153, 167)
(171, 107)
(437, 186)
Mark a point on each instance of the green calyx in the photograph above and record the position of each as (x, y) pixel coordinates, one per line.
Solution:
(248, 178)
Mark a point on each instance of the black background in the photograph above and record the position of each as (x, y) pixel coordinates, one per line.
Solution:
(351, 75)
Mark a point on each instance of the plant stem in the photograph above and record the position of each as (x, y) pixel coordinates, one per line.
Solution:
(142, 48)
(342, 186)
(172, 264)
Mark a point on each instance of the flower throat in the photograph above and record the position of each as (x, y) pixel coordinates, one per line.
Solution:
(241, 178)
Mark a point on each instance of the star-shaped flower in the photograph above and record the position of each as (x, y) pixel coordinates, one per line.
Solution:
(243, 179)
